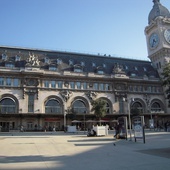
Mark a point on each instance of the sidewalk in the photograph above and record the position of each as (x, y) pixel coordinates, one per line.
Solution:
(68, 151)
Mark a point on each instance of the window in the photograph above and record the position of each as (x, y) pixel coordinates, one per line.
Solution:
(136, 108)
(47, 60)
(82, 63)
(59, 61)
(8, 81)
(30, 102)
(72, 85)
(17, 58)
(107, 87)
(100, 72)
(4, 57)
(1, 81)
(133, 74)
(16, 82)
(78, 70)
(46, 83)
(93, 64)
(52, 106)
(101, 86)
(156, 107)
(96, 86)
(70, 62)
(79, 107)
(144, 69)
(78, 85)
(7, 105)
(9, 65)
(84, 85)
(53, 84)
(136, 68)
(52, 68)
(60, 84)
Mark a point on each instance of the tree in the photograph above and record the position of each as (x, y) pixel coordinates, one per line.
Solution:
(99, 108)
(166, 80)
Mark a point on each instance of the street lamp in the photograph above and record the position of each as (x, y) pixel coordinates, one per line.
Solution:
(128, 110)
(85, 121)
(65, 113)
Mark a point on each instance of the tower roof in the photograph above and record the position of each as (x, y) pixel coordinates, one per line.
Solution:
(158, 10)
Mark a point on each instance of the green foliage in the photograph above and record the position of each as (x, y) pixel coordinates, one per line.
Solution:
(99, 108)
(166, 75)
(166, 80)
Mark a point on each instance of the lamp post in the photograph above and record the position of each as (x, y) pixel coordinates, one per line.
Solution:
(65, 113)
(128, 110)
(130, 129)
(84, 121)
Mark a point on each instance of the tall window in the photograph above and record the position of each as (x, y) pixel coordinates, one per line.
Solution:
(84, 85)
(107, 87)
(30, 102)
(72, 85)
(78, 85)
(8, 81)
(16, 82)
(53, 84)
(46, 83)
(1, 81)
(96, 86)
(60, 84)
(101, 86)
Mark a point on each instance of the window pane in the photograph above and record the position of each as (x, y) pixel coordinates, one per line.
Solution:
(60, 84)
(101, 86)
(1, 81)
(16, 82)
(72, 85)
(8, 81)
(96, 86)
(84, 85)
(53, 84)
(78, 85)
(46, 83)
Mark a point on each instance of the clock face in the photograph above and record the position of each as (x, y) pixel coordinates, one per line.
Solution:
(154, 40)
(167, 35)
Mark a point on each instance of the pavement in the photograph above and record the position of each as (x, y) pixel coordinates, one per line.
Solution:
(70, 151)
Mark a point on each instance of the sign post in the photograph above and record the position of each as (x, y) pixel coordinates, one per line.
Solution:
(138, 125)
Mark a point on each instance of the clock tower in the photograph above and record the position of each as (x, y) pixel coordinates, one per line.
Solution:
(158, 35)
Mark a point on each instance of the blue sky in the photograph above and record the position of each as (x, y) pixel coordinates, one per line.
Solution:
(111, 27)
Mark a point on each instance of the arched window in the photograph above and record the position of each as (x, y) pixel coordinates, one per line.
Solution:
(156, 107)
(79, 107)
(136, 108)
(7, 105)
(52, 106)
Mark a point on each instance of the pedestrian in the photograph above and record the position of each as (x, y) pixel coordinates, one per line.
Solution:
(117, 131)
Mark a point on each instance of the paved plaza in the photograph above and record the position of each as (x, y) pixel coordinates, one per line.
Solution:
(68, 151)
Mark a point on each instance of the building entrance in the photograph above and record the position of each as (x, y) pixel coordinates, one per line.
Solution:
(6, 126)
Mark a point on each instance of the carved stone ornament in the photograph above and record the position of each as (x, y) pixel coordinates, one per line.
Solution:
(91, 95)
(118, 69)
(66, 94)
(32, 60)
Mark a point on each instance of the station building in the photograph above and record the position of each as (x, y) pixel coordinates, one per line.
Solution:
(42, 89)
